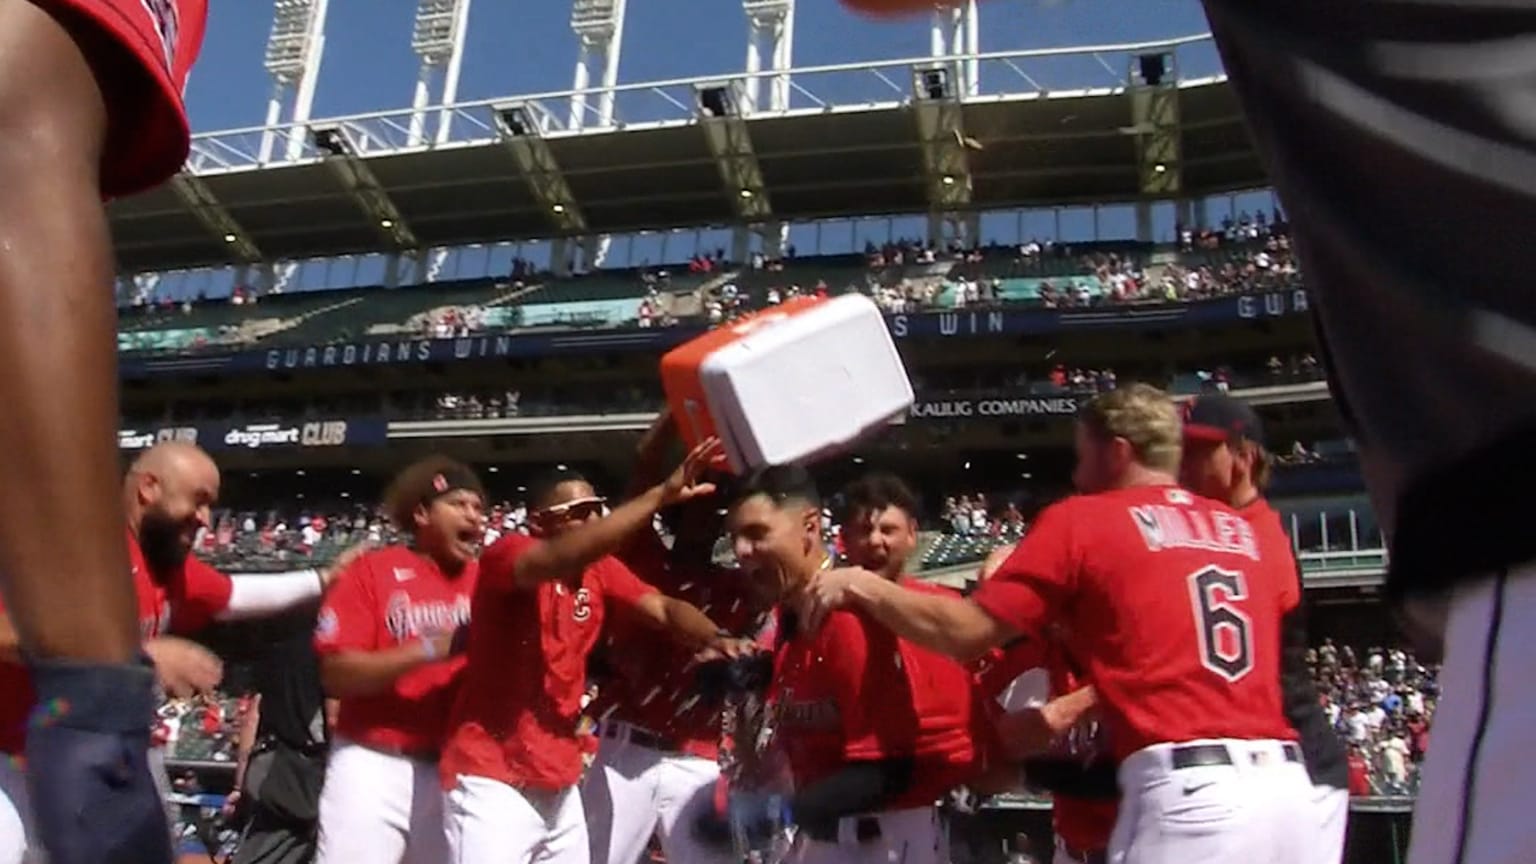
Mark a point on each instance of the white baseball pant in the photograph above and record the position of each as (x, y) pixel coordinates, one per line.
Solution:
(1480, 769)
(1330, 809)
(18, 842)
(380, 807)
(490, 822)
(634, 791)
(912, 836)
(1249, 810)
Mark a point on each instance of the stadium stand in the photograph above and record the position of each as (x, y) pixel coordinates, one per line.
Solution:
(903, 277)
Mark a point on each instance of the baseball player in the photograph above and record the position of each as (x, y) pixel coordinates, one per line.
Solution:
(1224, 458)
(658, 758)
(875, 729)
(1425, 138)
(167, 495)
(386, 636)
(90, 106)
(1040, 700)
(513, 755)
(1167, 600)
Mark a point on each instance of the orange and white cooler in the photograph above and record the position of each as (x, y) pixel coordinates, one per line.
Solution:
(788, 384)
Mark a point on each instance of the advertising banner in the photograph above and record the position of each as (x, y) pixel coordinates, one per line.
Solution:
(350, 432)
(947, 324)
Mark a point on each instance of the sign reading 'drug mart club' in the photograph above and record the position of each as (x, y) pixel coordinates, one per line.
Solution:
(969, 407)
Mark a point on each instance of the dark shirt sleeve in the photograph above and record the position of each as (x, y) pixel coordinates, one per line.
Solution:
(864, 786)
(1298, 692)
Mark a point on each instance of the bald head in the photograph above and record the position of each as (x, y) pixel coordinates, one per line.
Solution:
(172, 458)
(169, 494)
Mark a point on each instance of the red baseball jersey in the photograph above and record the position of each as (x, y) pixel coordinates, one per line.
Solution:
(390, 597)
(1277, 548)
(853, 691)
(147, 132)
(515, 718)
(1168, 603)
(181, 602)
(652, 685)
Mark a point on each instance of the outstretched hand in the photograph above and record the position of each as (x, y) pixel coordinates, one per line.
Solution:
(686, 482)
(827, 592)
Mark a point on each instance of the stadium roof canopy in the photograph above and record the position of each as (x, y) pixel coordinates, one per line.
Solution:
(851, 145)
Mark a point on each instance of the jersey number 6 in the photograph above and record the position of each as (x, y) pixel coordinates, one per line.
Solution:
(1226, 632)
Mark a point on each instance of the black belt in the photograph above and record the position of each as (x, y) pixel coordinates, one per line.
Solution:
(1205, 755)
(643, 737)
(865, 829)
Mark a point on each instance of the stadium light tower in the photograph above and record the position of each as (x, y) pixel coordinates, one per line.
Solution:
(771, 31)
(438, 41)
(599, 28)
(293, 57)
(956, 32)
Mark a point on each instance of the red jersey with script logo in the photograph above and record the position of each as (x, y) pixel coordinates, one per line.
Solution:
(652, 681)
(142, 69)
(1170, 607)
(853, 691)
(182, 601)
(516, 715)
(386, 598)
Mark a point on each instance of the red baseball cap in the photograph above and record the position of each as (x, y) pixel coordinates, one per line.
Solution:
(1216, 417)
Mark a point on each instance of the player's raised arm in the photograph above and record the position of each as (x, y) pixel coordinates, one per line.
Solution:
(948, 625)
(257, 595)
(678, 619)
(563, 553)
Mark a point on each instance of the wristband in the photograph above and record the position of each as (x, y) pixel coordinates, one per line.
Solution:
(429, 649)
(99, 697)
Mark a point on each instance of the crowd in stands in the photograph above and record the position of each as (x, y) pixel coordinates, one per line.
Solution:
(1382, 703)
(201, 729)
(975, 515)
(1246, 254)
(448, 323)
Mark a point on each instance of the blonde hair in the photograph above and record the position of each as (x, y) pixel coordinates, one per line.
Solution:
(1143, 415)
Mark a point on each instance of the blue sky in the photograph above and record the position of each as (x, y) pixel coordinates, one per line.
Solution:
(517, 47)
(526, 46)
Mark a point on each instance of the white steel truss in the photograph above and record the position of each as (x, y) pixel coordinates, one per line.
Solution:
(956, 34)
(770, 32)
(1057, 72)
(438, 42)
(599, 29)
(294, 51)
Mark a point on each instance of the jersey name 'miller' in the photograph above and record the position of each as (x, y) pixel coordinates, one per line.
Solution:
(1164, 526)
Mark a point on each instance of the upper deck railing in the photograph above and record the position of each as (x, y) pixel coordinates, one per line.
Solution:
(1083, 69)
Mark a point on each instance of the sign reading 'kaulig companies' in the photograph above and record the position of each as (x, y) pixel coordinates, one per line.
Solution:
(969, 407)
